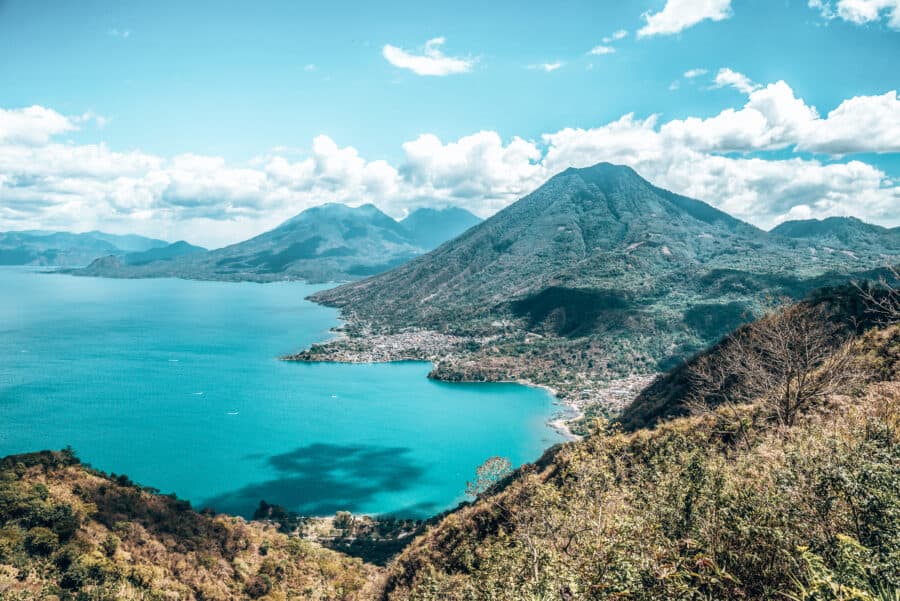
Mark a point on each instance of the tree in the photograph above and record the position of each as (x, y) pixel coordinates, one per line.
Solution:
(343, 520)
(787, 361)
(884, 298)
(487, 474)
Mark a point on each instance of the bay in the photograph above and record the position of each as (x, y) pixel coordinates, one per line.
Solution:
(177, 384)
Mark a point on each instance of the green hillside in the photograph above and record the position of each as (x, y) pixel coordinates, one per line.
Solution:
(596, 275)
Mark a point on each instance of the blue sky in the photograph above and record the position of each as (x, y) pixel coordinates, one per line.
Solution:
(243, 84)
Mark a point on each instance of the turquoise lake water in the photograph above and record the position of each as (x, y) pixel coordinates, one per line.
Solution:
(177, 384)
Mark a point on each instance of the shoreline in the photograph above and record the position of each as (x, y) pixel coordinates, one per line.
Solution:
(559, 422)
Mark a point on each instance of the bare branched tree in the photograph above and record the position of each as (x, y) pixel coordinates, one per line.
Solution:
(489, 473)
(883, 298)
(788, 360)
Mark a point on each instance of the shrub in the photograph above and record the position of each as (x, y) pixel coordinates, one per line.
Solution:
(258, 586)
(41, 541)
(110, 544)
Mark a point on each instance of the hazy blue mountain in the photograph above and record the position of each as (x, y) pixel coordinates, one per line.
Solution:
(129, 243)
(841, 233)
(331, 242)
(164, 253)
(429, 228)
(66, 249)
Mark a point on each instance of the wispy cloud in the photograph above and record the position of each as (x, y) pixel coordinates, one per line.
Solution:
(740, 82)
(678, 15)
(122, 34)
(430, 62)
(615, 36)
(599, 50)
(548, 67)
(692, 73)
(88, 116)
(605, 47)
(309, 67)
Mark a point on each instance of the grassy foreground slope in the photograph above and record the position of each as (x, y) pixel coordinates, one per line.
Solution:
(69, 532)
(727, 504)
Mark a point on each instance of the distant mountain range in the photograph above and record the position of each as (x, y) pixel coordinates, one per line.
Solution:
(598, 274)
(842, 233)
(64, 249)
(429, 228)
(331, 242)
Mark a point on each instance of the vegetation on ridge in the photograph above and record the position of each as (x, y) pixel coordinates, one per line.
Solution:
(734, 502)
(69, 532)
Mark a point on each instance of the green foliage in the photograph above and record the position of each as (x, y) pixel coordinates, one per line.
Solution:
(41, 541)
(70, 533)
(849, 579)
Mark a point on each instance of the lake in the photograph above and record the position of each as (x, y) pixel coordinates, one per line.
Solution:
(177, 384)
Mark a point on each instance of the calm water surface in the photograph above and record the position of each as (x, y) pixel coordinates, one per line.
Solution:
(177, 384)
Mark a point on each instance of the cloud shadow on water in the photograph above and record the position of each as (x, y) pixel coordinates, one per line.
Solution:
(320, 479)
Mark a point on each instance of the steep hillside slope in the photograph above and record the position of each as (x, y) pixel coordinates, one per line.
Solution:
(845, 310)
(67, 532)
(724, 505)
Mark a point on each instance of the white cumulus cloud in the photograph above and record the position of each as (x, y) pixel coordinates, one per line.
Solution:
(678, 15)
(722, 159)
(431, 62)
(32, 125)
(860, 11)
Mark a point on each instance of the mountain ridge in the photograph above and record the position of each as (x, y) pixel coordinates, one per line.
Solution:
(67, 249)
(848, 233)
(328, 242)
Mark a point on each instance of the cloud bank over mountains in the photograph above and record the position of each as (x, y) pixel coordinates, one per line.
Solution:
(773, 158)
